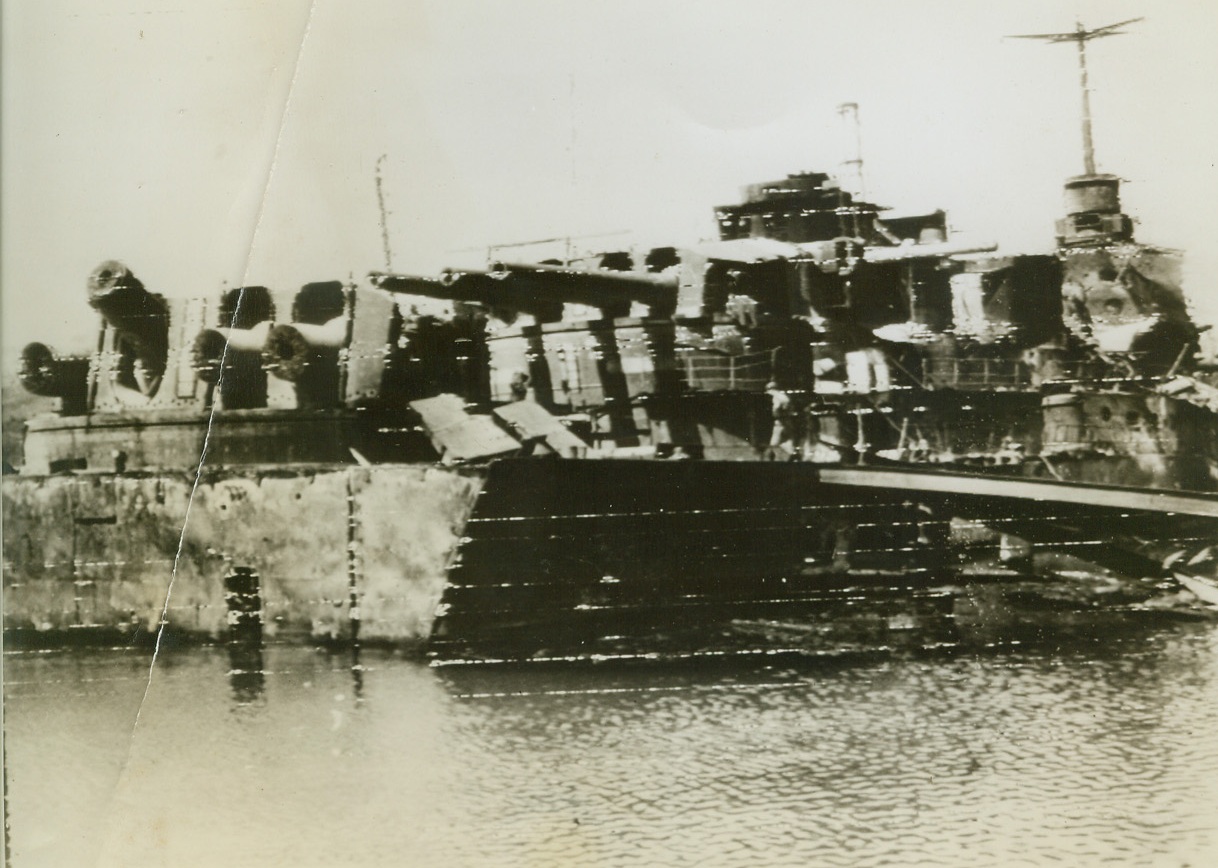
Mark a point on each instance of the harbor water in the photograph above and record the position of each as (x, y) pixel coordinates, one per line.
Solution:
(1069, 748)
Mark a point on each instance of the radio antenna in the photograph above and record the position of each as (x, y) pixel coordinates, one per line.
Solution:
(1081, 36)
(380, 201)
(852, 166)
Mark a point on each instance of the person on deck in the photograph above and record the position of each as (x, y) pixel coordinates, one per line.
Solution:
(519, 386)
(782, 438)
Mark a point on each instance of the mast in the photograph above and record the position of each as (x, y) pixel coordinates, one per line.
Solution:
(380, 201)
(852, 166)
(851, 178)
(1080, 36)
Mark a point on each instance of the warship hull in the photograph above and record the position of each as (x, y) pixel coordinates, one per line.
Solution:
(527, 558)
(627, 451)
(624, 558)
(339, 552)
(515, 556)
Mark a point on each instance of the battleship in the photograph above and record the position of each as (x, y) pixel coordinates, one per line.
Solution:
(831, 417)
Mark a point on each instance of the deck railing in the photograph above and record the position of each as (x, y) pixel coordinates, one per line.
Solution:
(980, 374)
(1118, 439)
(1014, 374)
(714, 372)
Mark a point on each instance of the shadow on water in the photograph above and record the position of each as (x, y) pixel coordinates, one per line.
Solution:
(243, 599)
(246, 675)
(995, 625)
(812, 616)
(357, 675)
(244, 643)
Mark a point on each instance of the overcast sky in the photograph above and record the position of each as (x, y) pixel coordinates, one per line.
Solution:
(212, 142)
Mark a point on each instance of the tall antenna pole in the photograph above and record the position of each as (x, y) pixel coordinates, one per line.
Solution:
(852, 166)
(1088, 142)
(1081, 36)
(380, 200)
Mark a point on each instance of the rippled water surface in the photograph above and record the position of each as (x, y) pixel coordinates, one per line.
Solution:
(1095, 751)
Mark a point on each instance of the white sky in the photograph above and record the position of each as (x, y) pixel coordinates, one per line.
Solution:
(204, 142)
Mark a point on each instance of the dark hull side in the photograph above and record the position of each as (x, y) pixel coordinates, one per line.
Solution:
(537, 557)
(619, 558)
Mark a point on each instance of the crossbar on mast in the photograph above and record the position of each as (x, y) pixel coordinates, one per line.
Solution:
(1081, 36)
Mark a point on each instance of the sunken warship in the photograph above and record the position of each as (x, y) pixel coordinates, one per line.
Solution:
(827, 404)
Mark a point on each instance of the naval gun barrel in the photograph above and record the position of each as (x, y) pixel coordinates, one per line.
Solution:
(541, 290)
(926, 251)
(291, 349)
(473, 286)
(228, 357)
(223, 347)
(45, 373)
(612, 291)
(140, 319)
(479, 287)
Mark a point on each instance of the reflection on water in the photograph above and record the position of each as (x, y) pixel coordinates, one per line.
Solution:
(243, 598)
(1075, 749)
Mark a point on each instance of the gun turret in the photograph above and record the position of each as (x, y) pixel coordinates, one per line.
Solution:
(140, 321)
(43, 372)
